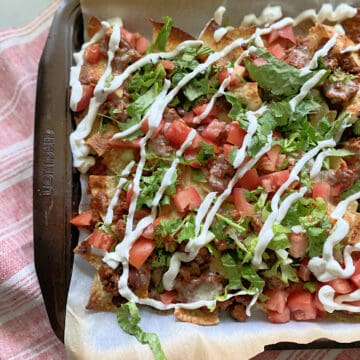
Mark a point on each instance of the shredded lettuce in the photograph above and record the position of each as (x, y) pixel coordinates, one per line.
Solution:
(276, 76)
(128, 318)
(354, 189)
(163, 35)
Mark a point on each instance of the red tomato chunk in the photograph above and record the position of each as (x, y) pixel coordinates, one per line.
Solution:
(187, 199)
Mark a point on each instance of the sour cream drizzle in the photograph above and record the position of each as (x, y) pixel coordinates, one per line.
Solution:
(278, 213)
(351, 48)
(331, 302)
(110, 211)
(79, 148)
(76, 87)
(327, 268)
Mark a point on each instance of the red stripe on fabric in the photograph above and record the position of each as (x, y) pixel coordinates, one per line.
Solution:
(349, 354)
(24, 332)
(18, 200)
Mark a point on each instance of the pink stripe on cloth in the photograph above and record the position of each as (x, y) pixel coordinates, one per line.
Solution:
(25, 332)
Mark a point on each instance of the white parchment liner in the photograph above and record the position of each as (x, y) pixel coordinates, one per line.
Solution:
(96, 335)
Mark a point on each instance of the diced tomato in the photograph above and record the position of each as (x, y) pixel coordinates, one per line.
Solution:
(250, 180)
(268, 161)
(145, 128)
(140, 251)
(125, 144)
(187, 199)
(87, 93)
(167, 297)
(148, 232)
(341, 286)
(93, 54)
(101, 240)
(298, 245)
(322, 190)
(277, 299)
(279, 318)
(236, 134)
(129, 194)
(242, 204)
(129, 37)
(213, 130)
(301, 305)
(222, 75)
(188, 117)
(167, 64)
(286, 32)
(141, 44)
(317, 303)
(228, 149)
(271, 182)
(277, 50)
(199, 109)
(83, 219)
(355, 277)
(177, 132)
(304, 272)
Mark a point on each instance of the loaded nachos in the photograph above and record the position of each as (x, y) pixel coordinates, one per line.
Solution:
(224, 171)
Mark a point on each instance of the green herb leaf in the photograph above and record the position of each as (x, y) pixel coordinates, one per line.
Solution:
(206, 153)
(128, 318)
(354, 189)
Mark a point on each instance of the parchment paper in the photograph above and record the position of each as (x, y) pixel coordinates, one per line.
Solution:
(96, 335)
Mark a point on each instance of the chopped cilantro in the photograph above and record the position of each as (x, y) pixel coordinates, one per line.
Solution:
(206, 153)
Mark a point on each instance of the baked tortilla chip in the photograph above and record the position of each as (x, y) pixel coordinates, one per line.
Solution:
(207, 36)
(99, 300)
(176, 37)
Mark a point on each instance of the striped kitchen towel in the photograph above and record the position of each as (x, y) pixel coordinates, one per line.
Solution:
(25, 332)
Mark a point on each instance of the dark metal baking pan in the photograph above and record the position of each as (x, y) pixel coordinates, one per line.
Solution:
(56, 184)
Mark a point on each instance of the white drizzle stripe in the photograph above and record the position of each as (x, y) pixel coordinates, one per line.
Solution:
(307, 86)
(316, 168)
(218, 15)
(327, 268)
(110, 211)
(350, 49)
(167, 179)
(331, 303)
(79, 148)
(268, 15)
(266, 232)
(76, 88)
(326, 12)
(319, 53)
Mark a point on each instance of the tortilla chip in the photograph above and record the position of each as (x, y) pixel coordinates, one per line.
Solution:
(94, 25)
(85, 251)
(100, 300)
(197, 316)
(207, 36)
(176, 37)
(249, 94)
(90, 74)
